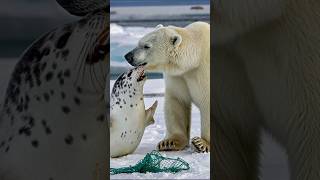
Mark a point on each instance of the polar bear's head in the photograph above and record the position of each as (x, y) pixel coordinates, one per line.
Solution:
(165, 49)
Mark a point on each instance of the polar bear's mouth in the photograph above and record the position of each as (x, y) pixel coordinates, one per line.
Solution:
(142, 76)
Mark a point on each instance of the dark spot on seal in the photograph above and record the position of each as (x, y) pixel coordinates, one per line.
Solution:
(129, 74)
(7, 149)
(48, 130)
(46, 51)
(60, 74)
(100, 118)
(38, 98)
(77, 100)
(43, 66)
(31, 121)
(25, 130)
(19, 108)
(27, 98)
(131, 105)
(68, 139)
(79, 90)
(62, 41)
(67, 73)
(36, 70)
(61, 81)
(46, 127)
(66, 109)
(52, 92)
(84, 137)
(35, 143)
(65, 53)
(63, 95)
(2, 144)
(49, 76)
(43, 122)
(46, 96)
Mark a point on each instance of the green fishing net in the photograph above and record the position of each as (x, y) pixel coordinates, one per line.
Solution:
(154, 162)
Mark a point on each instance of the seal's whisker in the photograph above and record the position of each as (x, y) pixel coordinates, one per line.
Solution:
(80, 60)
(96, 78)
(92, 81)
(104, 74)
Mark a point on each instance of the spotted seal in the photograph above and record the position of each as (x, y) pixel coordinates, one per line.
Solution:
(52, 122)
(128, 115)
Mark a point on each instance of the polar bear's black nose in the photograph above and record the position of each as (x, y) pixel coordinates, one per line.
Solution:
(129, 57)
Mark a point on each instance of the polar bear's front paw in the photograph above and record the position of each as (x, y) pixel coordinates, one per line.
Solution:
(171, 145)
(200, 145)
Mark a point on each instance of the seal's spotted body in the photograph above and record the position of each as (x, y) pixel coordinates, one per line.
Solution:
(128, 115)
(52, 122)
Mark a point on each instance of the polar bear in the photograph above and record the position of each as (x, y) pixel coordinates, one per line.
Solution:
(183, 54)
(265, 76)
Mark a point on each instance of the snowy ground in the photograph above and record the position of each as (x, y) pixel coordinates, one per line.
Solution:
(199, 163)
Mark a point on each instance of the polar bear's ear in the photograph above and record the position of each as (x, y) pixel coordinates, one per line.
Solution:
(159, 26)
(176, 40)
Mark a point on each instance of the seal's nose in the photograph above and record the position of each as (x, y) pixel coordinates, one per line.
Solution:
(129, 57)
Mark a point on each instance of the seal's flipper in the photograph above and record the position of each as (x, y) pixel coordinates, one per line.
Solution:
(150, 112)
(83, 7)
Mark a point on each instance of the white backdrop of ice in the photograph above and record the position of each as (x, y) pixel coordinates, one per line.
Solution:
(120, 37)
(127, 35)
(199, 163)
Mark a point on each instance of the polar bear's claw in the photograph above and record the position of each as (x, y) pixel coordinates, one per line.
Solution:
(200, 145)
(170, 145)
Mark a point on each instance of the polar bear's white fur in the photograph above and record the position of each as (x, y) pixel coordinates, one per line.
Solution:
(183, 54)
(266, 75)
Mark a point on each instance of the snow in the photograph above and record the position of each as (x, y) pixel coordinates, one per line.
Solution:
(199, 163)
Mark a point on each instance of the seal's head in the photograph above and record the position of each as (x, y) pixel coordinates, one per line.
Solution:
(136, 76)
(130, 83)
(133, 78)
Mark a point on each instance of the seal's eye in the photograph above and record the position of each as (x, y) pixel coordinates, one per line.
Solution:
(146, 47)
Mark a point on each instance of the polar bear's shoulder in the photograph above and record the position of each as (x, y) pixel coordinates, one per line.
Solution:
(198, 26)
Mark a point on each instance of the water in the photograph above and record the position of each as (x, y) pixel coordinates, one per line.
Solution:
(119, 3)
